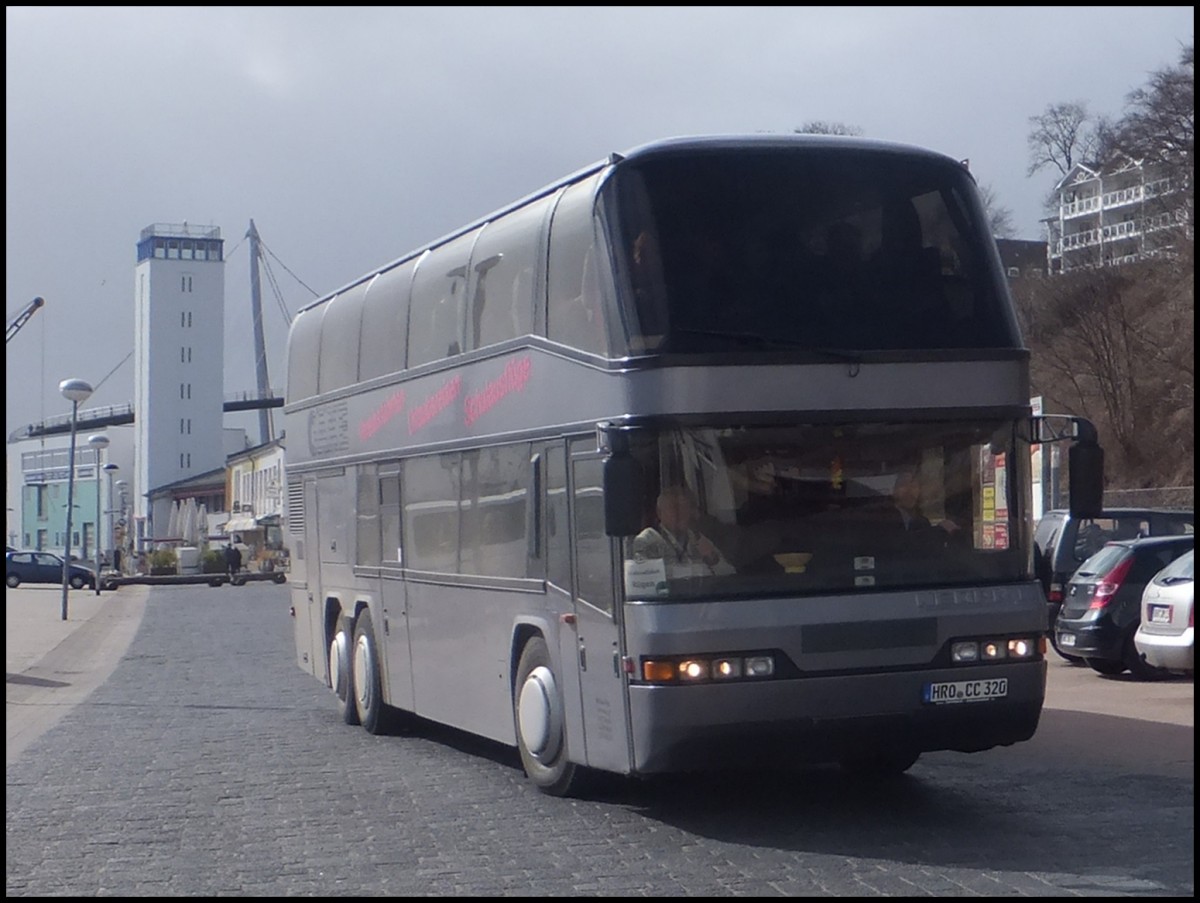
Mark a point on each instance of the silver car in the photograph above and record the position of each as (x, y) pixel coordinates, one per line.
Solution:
(1166, 636)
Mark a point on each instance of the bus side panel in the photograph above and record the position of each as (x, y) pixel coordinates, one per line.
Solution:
(305, 582)
(397, 653)
(460, 656)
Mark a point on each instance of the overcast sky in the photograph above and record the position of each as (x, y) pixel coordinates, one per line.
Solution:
(351, 135)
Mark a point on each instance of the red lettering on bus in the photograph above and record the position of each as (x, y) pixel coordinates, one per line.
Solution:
(420, 416)
(381, 415)
(513, 379)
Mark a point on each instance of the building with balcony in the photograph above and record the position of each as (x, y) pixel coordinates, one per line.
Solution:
(1110, 215)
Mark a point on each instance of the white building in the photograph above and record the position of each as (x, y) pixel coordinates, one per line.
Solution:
(1111, 215)
(179, 347)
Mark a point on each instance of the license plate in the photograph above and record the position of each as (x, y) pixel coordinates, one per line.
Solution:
(1066, 639)
(1160, 614)
(966, 691)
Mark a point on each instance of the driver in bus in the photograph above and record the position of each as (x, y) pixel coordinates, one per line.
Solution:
(685, 551)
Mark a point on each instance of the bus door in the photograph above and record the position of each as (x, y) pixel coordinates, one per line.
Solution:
(599, 651)
(394, 595)
(310, 636)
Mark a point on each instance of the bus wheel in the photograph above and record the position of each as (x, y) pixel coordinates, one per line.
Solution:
(339, 673)
(368, 696)
(880, 765)
(538, 713)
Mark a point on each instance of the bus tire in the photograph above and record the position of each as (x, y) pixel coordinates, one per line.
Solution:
(368, 684)
(880, 765)
(539, 720)
(341, 674)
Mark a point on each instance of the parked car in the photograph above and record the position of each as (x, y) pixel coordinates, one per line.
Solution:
(1102, 606)
(1166, 636)
(1062, 543)
(44, 567)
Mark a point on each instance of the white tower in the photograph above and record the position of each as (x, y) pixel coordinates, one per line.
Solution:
(180, 346)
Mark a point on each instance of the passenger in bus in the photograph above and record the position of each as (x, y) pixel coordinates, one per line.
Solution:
(580, 320)
(685, 551)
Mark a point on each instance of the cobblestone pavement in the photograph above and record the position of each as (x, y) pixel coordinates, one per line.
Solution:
(209, 764)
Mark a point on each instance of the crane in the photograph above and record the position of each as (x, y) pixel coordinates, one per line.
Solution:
(21, 319)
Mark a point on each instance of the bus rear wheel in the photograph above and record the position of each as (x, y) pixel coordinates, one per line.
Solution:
(538, 716)
(340, 676)
(368, 683)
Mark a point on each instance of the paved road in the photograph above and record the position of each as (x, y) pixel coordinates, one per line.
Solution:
(206, 763)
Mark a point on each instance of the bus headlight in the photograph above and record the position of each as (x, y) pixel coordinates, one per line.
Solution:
(1022, 647)
(964, 651)
(994, 649)
(693, 669)
(703, 669)
(725, 668)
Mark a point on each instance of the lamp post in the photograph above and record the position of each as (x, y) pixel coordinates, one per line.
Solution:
(110, 469)
(98, 442)
(74, 391)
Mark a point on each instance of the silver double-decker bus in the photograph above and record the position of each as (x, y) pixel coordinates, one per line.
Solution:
(714, 454)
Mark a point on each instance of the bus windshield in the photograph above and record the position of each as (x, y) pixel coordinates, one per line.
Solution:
(812, 248)
(826, 508)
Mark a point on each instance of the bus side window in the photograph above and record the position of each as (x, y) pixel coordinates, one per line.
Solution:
(439, 289)
(304, 342)
(502, 266)
(576, 311)
(385, 322)
(338, 359)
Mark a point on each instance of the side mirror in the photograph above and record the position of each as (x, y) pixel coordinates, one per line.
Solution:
(622, 495)
(1085, 464)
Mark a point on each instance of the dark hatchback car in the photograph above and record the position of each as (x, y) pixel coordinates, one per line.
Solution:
(1102, 607)
(1062, 543)
(44, 567)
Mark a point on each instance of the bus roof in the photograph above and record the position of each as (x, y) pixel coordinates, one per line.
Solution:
(649, 150)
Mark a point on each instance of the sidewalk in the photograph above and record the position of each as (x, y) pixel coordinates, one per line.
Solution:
(51, 664)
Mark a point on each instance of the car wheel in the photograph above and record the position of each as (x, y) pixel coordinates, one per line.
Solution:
(882, 765)
(1138, 666)
(12, 580)
(77, 582)
(538, 715)
(1105, 666)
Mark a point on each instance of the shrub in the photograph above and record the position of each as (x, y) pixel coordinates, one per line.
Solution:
(164, 561)
(212, 561)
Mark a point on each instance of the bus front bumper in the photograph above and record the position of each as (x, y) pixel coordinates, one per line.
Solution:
(814, 719)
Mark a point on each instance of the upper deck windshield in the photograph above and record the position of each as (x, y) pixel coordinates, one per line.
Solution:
(825, 508)
(809, 247)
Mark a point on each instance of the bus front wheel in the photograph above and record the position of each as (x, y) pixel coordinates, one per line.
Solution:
(538, 714)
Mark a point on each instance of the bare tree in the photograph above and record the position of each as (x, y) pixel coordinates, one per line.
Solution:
(1063, 135)
(1160, 125)
(826, 127)
(1115, 344)
(999, 217)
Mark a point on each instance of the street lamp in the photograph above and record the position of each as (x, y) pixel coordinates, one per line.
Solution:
(110, 469)
(74, 391)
